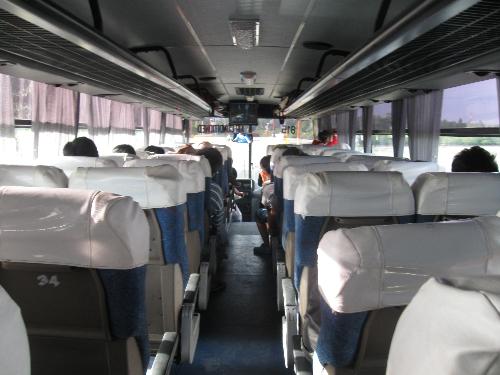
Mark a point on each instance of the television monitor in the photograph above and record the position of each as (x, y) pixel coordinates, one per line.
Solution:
(243, 113)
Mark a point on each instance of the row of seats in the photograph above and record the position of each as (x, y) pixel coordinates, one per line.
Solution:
(336, 196)
(171, 191)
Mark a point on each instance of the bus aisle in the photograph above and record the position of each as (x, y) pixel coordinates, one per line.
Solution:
(241, 330)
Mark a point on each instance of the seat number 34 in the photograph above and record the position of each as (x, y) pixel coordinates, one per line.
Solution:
(48, 280)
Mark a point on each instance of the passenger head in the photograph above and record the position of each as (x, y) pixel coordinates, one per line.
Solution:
(323, 136)
(474, 159)
(213, 156)
(83, 146)
(265, 163)
(68, 149)
(294, 151)
(124, 149)
(204, 144)
(186, 149)
(155, 150)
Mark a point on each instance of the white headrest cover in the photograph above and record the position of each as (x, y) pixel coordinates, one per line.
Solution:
(410, 169)
(292, 175)
(119, 158)
(287, 161)
(368, 268)
(205, 165)
(70, 163)
(14, 347)
(354, 194)
(225, 151)
(467, 193)
(370, 160)
(35, 176)
(269, 149)
(72, 227)
(276, 156)
(329, 151)
(460, 336)
(151, 187)
(192, 174)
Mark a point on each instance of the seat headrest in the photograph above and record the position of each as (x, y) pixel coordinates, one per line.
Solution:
(354, 194)
(370, 160)
(151, 187)
(69, 164)
(35, 176)
(200, 158)
(466, 193)
(460, 336)
(410, 169)
(225, 151)
(276, 156)
(372, 267)
(190, 170)
(329, 151)
(288, 161)
(78, 228)
(14, 347)
(318, 149)
(119, 158)
(293, 174)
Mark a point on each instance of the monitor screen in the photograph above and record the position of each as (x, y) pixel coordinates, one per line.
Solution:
(243, 113)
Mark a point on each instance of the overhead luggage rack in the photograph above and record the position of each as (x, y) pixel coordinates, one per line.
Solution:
(436, 37)
(37, 36)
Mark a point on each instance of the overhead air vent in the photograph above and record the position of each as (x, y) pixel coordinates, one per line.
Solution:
(249, 91)
(245, 33)
(472, 33)
(40, 37)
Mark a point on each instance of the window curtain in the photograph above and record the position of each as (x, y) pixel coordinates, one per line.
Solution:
(154, 121)
(498, 96)
(398, 127)
(163, 128)
(7, 124)
(95, 113)
(340, 122)
(424, 119)
(367, 124)
(53, 119)
(122, 129)
(353, 126)
(324, 123)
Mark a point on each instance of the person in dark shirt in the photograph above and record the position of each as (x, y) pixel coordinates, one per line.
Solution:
(474, 159)
(265, 170)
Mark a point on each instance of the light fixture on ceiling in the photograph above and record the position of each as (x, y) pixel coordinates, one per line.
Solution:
(250, 98)
(248, 77)
(245, 33)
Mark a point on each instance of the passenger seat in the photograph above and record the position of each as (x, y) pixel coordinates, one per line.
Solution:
(74, 262)
(32, 176)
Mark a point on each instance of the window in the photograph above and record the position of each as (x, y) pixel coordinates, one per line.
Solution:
(471, 106)
(450, 146)
(21, 96)
(382, 117)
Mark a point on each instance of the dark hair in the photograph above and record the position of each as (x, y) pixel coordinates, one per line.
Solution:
(265, 163)
(68, 149)
(124, 149)
(81, 146)
(186, 149)
(474, 159)
(155, 150)
(294, 151)
(213, 156)
(323, 136)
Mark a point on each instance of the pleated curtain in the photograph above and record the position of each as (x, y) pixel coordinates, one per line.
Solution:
(399, 118)
(424, 119)
(53, 119)
(340, 122)
(7, 124)
(367, 125)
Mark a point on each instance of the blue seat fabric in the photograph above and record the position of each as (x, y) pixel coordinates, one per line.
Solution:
(126, 303)
(288, 220)
(171, 222)
(196, 213)
(339, 336)
(307, 237)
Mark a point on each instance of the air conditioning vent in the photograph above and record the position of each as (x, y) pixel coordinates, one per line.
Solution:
(470, 34)
(87, 57)
(249, 91)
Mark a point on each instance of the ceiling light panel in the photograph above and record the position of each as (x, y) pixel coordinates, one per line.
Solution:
(245, 33)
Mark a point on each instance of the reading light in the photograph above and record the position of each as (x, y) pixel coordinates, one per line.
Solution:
(248, 77)
(245, 33)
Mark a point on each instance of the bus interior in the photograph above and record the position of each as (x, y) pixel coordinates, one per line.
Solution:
(249, 186)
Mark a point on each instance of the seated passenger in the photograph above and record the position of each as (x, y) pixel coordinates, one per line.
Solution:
(233, 177)
(81, 146)
(155, 150)
(186, 149)
(216, 213)
(265, 218)
(322, 138)
(124, 149)
(333, 138)
(265, 170)
(474, 159)
(204, 144)
(294, 151)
